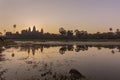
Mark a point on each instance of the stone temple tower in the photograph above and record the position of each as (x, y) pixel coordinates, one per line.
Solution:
(34, 29)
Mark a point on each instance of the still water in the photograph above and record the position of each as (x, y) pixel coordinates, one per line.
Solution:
(65, 62)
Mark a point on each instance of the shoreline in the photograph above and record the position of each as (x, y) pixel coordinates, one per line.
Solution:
(67, 43)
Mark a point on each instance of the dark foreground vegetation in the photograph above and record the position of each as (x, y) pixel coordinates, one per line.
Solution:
(6, 42)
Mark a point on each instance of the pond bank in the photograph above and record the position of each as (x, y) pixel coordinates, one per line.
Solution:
(67, 43)
(7, 42)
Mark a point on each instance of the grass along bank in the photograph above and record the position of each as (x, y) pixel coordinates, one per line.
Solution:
(68, 40)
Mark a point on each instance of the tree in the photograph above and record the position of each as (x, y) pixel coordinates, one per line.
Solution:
(14, 26)
(70, 33)
(117, 30)
(118, 33)
(4, 31)
(0, 34)
(62, 31)
(17, 32)
(77, 32)
(110, 29)
(42, 31)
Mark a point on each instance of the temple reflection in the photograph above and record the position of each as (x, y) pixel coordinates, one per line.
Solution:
(61, 48)
(52, 60)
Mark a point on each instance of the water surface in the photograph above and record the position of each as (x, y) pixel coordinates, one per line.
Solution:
(65, 62)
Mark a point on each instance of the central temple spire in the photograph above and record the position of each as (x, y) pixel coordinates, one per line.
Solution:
(34, 28)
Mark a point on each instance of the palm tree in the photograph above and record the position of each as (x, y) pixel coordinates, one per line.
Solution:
(14, 26)
(110, 29)
(117, 30)
(42, 31)
(4, 31)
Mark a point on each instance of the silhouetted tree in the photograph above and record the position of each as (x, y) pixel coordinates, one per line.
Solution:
(14, 26)
(17, 32)
(77, 32)
(62, 31)
(42, 31)
(117, 33)
(70, 33)
(4, 31)
(0, 34)
(110, 29)
(117, 30)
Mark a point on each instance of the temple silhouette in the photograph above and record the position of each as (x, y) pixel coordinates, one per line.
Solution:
(28, 33)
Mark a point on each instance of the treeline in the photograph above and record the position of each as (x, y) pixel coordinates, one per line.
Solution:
(85, 35)
(69, 35)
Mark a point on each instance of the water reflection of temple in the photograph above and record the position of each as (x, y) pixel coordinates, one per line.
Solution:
(61, 48)
(33, 49)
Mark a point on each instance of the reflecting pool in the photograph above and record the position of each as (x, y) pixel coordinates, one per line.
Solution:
(63, 62)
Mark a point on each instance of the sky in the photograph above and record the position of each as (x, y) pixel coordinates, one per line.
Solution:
(89, 15)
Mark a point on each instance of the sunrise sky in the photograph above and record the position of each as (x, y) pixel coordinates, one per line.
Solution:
(90, 15)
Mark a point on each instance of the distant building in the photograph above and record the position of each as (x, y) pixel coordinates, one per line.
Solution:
(28, 33)
(8, 34)
(29, 30)
(24, 31)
